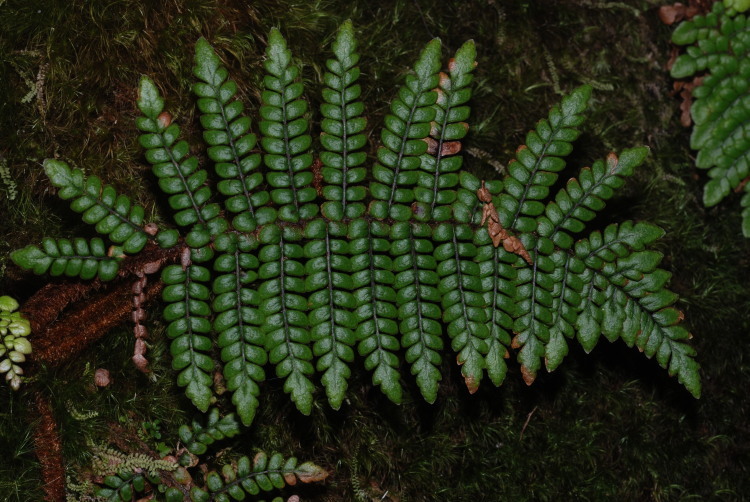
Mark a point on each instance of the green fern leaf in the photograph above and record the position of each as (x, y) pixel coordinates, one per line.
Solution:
(284, 305)
(250, 477)
(231, 144)
(198, 436)
(285, 135)
(342, 128)
(718, 52)
(188, 314)
(403, 139)
(238, 321)
(330, 301)
(539, 160)
(76, 258)
(113, 214)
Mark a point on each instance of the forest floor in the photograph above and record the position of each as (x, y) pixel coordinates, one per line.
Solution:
(610, 424)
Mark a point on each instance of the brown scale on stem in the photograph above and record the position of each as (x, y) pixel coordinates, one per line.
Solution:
(498, 234)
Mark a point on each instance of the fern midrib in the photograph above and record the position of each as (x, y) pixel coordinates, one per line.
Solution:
(81, 257)
(99, 202)
(188, 314)
(282, 294)
(237, 160)
(532, 173)
(569, 214)
(404, 139)
(285, 126)
(439, 156)
(238, 308)
(187, 190)
(331, 304)
(373, 297)
(465, 313)
(495, 293)
(345, 167)
(558, 312)
(418, 296)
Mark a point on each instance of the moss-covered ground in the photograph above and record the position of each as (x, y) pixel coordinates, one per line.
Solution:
(609, 425)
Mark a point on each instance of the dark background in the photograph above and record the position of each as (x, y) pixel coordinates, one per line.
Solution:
(610, 424)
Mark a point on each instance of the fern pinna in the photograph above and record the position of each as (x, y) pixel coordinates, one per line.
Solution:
(718, 58)
(314, 259)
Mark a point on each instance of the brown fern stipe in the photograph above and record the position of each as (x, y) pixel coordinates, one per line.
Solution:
(49, 451)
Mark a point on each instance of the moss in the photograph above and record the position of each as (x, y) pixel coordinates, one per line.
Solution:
(603, 426)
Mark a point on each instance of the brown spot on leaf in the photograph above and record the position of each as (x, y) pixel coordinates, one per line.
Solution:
(450, 148)
(432, 145)
(528, 375)
(471, 383)
(164, 119)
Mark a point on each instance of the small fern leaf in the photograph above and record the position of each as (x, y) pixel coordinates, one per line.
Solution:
(330, 302)
(435, 191)
(285, 137)
(566, 297)
(231, 144)
(178, 173)
(539, 160)
(404, 139)
(249, 477)
(114, 215)
(76, 258)
(284, 305)
(188, 314)
(342, 129)
(238, 321)
(198, 437)
(375, 301)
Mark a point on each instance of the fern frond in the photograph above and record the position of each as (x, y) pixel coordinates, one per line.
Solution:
(284, 305)
(435, 191)
(113, 214)
(76, 258)
(238, 321)
(188, 314)
(624, 297)
(330, 304)
(285, 135)
(418, 299)
(178, 173)
(375, 301)
(197, 437)
(231, 144)
(462, 301)
(341, 131)
(721, 107)
(248, 477)
(539, 160)
(403, 139)
(579, 201)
